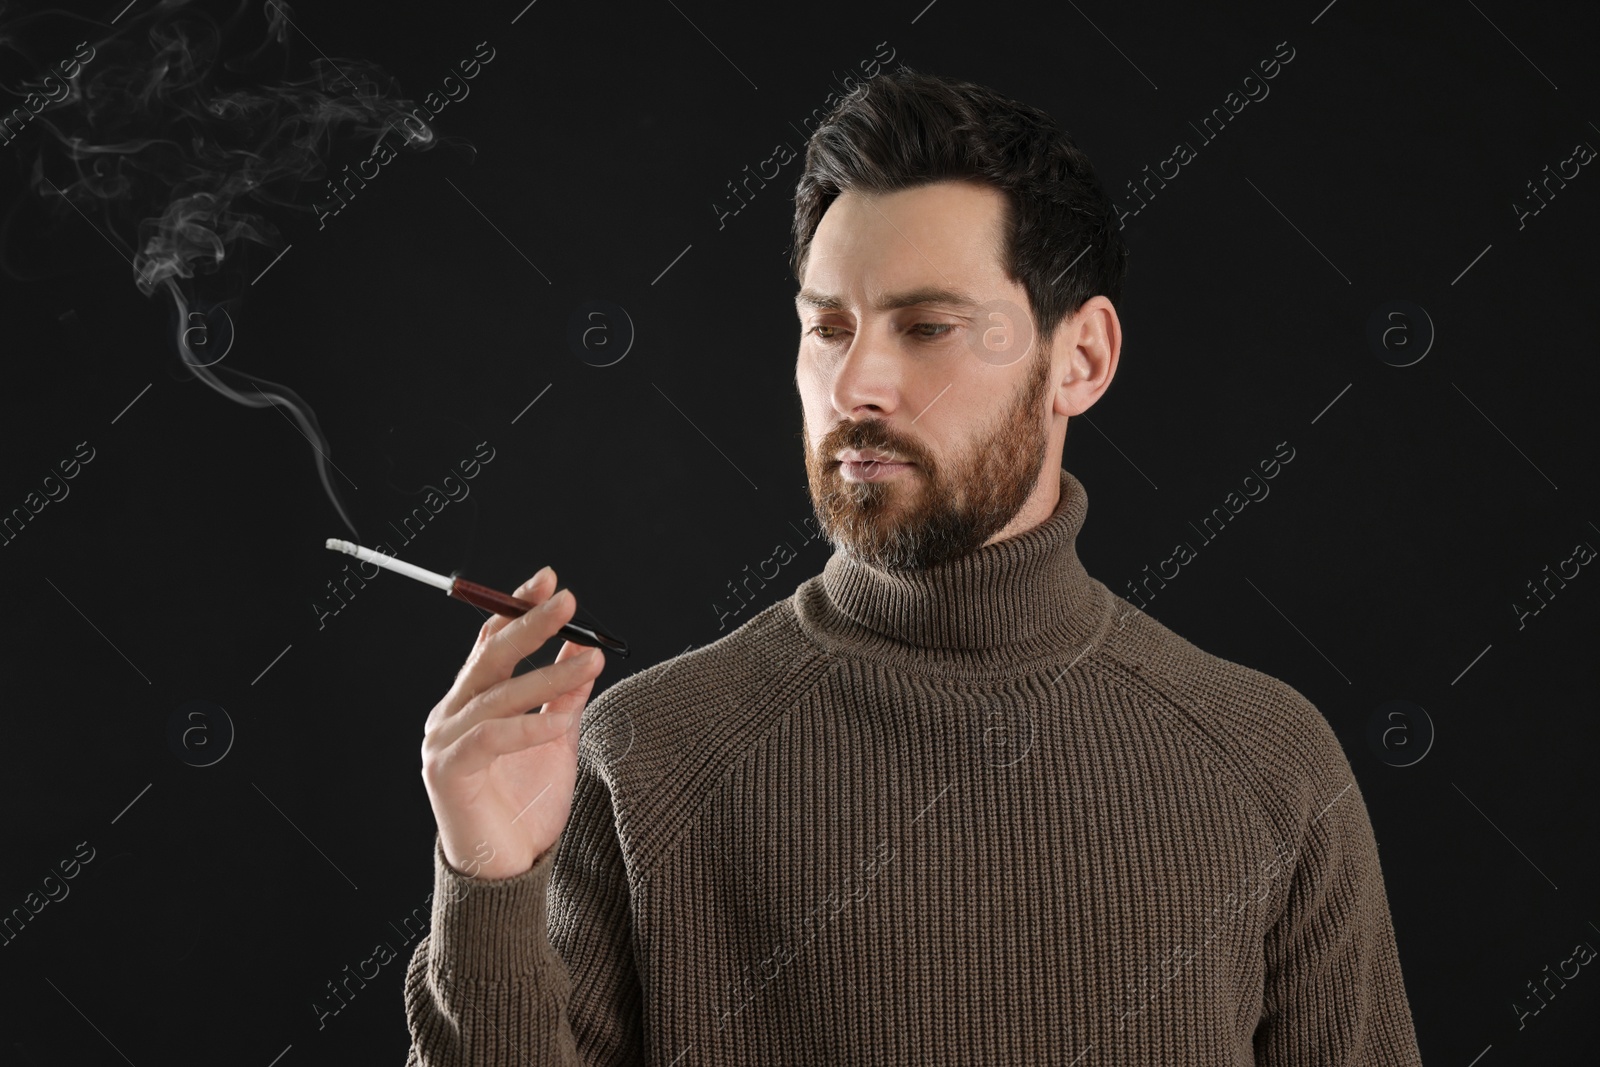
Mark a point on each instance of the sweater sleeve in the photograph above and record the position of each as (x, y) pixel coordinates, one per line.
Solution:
(1334, 995)
(533, 969)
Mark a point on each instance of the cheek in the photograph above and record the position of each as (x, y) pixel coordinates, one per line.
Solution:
(811, 388)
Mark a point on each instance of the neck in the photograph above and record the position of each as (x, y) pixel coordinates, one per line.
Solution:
(1018, 604)
(1040, 505)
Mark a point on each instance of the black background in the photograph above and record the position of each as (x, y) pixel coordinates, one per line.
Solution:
(187, 559)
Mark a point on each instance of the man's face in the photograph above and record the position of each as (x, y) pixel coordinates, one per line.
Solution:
(959, 391)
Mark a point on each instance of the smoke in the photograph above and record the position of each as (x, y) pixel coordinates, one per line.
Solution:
(178, 156)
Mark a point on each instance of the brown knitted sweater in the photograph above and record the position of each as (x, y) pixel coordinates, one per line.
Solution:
(985, 813)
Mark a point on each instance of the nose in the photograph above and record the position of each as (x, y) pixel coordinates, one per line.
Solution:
(867, 378)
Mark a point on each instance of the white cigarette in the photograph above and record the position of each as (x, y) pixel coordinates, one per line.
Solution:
(411, 570)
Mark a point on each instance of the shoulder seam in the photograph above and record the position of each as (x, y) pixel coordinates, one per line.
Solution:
(782, 686)
(1247, 783)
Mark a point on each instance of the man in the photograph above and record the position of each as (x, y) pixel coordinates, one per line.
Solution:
(953, 801)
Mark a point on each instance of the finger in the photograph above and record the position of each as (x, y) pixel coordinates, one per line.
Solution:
(475, 749)
(572, 699)
(495, 657)
(535, 590)
(512, 697)
(520, 638)
(473, 676)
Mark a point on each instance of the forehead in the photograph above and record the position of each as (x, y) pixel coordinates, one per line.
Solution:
(942, 241)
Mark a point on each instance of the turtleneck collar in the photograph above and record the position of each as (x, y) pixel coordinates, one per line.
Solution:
(1010, 607)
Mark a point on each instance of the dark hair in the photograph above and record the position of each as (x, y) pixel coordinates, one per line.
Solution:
(904, 129)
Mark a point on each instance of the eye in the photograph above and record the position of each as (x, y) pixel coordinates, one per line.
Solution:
(927, 331)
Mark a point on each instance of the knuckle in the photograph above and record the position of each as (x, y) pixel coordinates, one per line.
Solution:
(491, 703)
(501, 638)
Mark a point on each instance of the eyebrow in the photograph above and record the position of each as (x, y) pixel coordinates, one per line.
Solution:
(927, 294)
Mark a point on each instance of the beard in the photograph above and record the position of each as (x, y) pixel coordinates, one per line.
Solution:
(933, 511)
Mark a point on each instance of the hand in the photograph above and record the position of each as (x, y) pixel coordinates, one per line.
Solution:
(500, 781)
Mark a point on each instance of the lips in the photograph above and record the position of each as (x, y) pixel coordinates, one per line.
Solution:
(870, 470)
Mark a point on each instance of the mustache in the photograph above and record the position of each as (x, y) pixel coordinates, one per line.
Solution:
(867, 435)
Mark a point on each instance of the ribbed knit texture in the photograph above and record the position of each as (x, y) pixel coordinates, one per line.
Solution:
(988, 813)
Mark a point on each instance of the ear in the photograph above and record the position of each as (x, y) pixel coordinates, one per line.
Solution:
(1089, 345)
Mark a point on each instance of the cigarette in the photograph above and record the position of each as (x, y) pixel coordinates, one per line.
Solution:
(479, 595)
